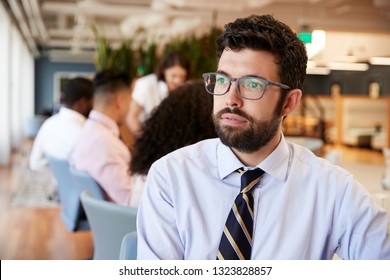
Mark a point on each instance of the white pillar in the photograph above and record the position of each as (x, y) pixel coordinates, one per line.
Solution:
(5, 136)
(17, 80)
(28, 89)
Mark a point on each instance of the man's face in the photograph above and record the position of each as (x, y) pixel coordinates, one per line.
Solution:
(248, 125)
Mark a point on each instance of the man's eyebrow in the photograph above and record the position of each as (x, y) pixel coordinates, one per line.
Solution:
(222, 72)
(249, 75)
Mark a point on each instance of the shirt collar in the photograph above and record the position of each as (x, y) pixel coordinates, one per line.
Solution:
(105, 121)
(276, 164)
(227, 160)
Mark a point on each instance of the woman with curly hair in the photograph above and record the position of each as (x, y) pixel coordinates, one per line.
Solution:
(183, 118)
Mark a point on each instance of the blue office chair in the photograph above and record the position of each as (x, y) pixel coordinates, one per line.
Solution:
(129, 247)
(84, 182)
(72, 213)
(109, 222)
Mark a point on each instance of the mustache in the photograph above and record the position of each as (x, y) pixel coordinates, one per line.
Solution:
(233, 111)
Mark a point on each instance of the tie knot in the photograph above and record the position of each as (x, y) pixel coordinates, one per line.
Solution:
(250, 178)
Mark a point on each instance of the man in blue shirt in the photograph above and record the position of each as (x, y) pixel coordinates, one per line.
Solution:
(303, 206)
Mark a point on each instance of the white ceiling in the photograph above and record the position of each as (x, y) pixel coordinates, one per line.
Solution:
(57, 26)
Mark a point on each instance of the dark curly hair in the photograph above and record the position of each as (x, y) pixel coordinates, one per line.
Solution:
(268, 34)
(181, 119)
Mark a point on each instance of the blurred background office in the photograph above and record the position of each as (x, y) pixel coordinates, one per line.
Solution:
(47, 41)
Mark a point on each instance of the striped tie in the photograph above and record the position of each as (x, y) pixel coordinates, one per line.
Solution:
(236, 241)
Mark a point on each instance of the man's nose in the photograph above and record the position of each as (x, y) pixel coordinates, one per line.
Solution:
(232, 96)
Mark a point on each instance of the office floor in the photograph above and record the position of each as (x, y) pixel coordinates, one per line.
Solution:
(34, 233)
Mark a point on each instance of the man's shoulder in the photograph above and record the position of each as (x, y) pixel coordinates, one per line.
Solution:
(203, 146)
(147, 79)
(144, 86)
(66, 116)
(306, 157)
(203, 149)
(50, 122)
(97, 132)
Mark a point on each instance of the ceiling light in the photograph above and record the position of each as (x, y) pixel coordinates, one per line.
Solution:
(379, 60)
(348, 66)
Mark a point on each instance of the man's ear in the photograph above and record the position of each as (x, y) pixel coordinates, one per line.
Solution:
(292, 100)
(78, 106)
(119, 100)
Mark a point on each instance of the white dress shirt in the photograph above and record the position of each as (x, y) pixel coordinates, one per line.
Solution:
(149, 92)
(56, 137)
(305, 207)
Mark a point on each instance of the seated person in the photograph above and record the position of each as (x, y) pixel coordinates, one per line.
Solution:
(250, 194)
(183, 118)
(100, 151)
(59, 133)
(150, 90)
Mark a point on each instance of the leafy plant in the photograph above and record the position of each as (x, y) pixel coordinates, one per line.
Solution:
(106, 57)
(102, 54)
(202, 51)
(143, 60)
(147, 59)
(123, 58)
(208, 60)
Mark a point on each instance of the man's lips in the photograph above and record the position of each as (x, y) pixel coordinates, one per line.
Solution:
(232, 119)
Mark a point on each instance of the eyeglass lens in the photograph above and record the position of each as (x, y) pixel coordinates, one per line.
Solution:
(249, 87)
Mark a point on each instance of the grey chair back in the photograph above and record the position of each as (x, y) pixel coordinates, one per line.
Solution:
(129, 247)
(72, 213)
(84, 182)
(109, 222)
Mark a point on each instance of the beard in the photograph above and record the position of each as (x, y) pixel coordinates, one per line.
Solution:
(251, 139)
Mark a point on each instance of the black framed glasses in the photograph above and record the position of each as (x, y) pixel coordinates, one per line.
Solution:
(248, 87)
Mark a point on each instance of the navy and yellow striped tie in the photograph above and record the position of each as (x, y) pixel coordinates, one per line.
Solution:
(236, 241)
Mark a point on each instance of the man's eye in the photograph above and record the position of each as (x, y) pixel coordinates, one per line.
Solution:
(221, 80)
(254, 85)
